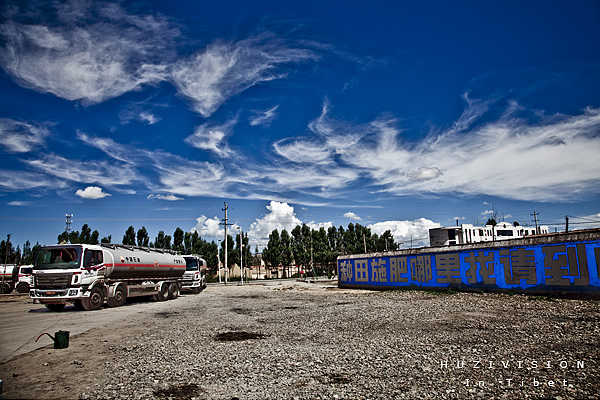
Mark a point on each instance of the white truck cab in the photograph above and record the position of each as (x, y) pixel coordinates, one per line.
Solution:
(25, 281)
(194, 277)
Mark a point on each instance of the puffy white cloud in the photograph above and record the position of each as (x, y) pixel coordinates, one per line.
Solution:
(263, 117)
(352, 216)
(92, 192)
(279, 216)
(318, 225)
(405, 231)
(210, 228)
(111, 54)
(487, 212)
(223, 70)
(21, 137)
(168, 197)
(212, 138)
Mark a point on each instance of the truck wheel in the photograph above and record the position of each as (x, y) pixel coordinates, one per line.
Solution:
(55, 307)
(163, 292)
(95, 301)
(119, 299)
(173, 291)
(23, 287)
(5, 288)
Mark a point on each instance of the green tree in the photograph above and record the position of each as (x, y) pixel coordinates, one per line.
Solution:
(272, 253)
(285, 245)
(129, 237)
(230, 251)
(94, 237)
(187, 242)
(491, 221)
(168, 242)
(178, 239)
(142, 237)
(159, 241)
(106, 239)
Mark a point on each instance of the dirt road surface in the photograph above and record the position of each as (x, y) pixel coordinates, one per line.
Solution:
(290, 340)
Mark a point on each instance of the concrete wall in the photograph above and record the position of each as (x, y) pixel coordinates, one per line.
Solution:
(546, 263)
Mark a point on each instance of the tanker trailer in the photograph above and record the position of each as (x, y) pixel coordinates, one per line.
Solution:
(8, 277)
(88, 275)
(194, 278)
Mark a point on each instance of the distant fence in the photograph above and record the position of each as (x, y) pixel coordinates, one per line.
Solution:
(566, 262)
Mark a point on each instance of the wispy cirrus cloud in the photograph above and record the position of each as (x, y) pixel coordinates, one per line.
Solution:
(263, 117)
(168, 197)
(24, 180)
(501, 157)
(212, 138)
(224, 69)
(21, 137)
(101, 172)
(18, 203)
(94, 52)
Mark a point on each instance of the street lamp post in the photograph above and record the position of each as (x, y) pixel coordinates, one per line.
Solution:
(241, 259)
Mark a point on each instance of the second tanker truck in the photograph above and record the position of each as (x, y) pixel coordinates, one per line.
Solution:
(90, 275)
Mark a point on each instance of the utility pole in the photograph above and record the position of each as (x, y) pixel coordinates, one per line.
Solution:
(219, 260)
(68, 226)
(225, 223)
(365, 243)
(241, 260)
(411, 241)
(535, 215)
(312, 267)
(566, 223)
(6, 247)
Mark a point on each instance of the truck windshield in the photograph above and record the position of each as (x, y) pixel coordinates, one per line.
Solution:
(58, 258)
(26, 270)
(191, 264)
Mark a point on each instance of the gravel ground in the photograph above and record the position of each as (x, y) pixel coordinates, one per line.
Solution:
(293, 340)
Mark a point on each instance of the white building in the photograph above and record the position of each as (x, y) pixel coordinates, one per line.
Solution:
(467, 233)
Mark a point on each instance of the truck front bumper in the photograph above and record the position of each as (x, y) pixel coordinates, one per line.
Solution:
(56, 295)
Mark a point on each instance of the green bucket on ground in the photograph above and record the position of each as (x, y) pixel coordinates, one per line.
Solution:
(61, 339)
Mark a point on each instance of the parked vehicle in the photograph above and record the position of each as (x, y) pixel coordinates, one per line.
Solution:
(25, 278)
(8, 277)
(90, 275)
(194, 277)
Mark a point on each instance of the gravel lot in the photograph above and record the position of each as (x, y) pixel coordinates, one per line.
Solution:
(293, 340)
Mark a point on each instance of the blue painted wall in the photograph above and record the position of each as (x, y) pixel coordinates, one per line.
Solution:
(548, 267)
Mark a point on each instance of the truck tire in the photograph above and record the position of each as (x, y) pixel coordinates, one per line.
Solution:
(163, 292)
(55, 307)
(173, 290)
(95, 301)
(5, 288)
(23, 287)
(119, 298)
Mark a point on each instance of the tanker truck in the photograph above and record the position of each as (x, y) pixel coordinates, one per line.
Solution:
(194, 278)
(90, 275)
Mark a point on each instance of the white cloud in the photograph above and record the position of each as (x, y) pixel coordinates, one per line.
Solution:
(168, 197)
(318, 225)
(102, 172)
(109, 147)
(21, 137)
(223, 70)
(487, 212)
(302, 151)
(405, 231)
(92, 192)
(500, 158)
(212, 138)
(148, 118)
(111, 54)
(209, 228)
(459, 218)
(263, 117)
(279, 216)
(22, 180)
(18, 203)
(352, 216)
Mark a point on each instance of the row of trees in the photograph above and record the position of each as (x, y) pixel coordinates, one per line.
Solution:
(24, 256)
(321, 246)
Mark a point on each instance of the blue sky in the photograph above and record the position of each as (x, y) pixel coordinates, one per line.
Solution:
(396, 117)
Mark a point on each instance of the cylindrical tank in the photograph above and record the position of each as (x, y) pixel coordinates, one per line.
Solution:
(131, 263)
